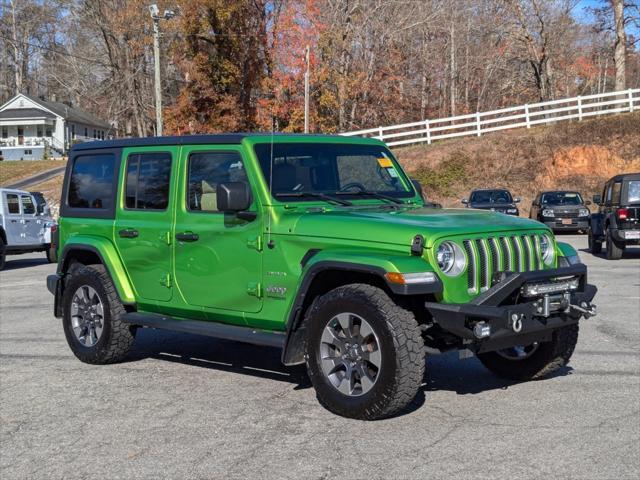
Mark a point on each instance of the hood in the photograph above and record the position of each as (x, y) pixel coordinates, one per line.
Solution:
(400, 226)
(563, 208)
(496, 206)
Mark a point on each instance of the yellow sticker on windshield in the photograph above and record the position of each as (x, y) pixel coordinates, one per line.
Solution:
(385, 162)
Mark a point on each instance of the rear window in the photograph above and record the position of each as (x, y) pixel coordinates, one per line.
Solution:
(28, 208)
(92, 182)
(148, 178)
(634, 191)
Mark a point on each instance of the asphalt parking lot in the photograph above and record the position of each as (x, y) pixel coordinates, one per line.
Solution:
(191, 407)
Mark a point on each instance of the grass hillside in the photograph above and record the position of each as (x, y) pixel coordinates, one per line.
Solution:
(569, 155)
(12, 171)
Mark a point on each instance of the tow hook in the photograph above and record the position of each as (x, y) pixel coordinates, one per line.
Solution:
(516, 322)
(587, 309)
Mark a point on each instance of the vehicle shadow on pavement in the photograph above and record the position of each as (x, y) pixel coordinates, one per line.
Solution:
(629, 253)
(216, 354)
(14, 264)
(468, 377)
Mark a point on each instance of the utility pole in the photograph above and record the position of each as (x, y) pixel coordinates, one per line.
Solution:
(306, 92)
(156, 17)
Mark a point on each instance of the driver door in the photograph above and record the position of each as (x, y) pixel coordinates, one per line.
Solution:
(218, 256)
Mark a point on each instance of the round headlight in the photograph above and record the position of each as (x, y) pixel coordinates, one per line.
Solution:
(546, 249)
(451, 259)
(547, 212)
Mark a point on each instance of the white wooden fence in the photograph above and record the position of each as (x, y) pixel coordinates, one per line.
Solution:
(505, 118)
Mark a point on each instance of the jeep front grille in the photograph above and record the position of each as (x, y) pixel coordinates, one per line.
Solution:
(516, 253)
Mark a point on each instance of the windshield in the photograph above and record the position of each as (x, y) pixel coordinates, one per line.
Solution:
(491, 196)
(561, 198)
(331, 169)
(634, 191)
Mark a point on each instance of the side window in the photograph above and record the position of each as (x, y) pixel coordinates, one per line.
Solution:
(608, 194)
(147, 181)
(205, 171)
(28, 208)
(615, 193)
(92, 183)
(13, 207)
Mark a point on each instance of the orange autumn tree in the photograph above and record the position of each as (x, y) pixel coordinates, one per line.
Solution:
(223, 59)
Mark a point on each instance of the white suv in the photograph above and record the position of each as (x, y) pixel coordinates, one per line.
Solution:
(25, 225)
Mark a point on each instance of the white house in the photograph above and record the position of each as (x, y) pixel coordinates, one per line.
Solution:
(29, 126)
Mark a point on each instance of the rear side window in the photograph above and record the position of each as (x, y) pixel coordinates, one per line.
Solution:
(615, 193)
(28, 208)
(13, 207)
(634, 191)
(92, 183)
(148, 179)
(206, 171)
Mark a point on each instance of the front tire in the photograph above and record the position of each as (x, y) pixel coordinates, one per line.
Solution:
(595, 246)
(535, 361)
(365, 354)
(92, 314)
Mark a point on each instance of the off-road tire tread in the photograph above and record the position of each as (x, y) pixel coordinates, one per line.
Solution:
(408, 342)
(614, 252)
(550, 357)
(122, 334)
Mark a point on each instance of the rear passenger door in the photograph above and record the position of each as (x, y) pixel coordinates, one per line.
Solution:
(144, 219)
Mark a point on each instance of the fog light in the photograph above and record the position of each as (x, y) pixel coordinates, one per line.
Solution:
(481, 330)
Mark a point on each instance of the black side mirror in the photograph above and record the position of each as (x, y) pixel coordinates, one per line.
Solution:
(465, 201)
(597, 199)
(587, 203)
(235, 197)
(516, 200)
(417, 186)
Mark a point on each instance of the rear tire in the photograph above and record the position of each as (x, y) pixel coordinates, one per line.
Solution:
(374, 367)
(547, 358)
(92, 314)
(51, 254)
(3, 253)
(614, 250)
(595, 246)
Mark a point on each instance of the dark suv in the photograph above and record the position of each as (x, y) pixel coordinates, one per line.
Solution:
(561, 210)
(497, 200)
(618, 219)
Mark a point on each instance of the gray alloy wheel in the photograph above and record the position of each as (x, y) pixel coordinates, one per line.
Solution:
(350, 354)
(87, 315)
(519, 352)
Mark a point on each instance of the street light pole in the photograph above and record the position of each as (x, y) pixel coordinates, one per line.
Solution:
(306, 93)
(158, 86)
(155, 16)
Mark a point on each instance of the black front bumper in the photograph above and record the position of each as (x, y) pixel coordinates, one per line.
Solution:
(497, 309)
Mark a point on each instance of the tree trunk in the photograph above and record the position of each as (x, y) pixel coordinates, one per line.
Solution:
(620, 44)
(452, 72)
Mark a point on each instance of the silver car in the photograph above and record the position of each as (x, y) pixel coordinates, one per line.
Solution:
(26, 225)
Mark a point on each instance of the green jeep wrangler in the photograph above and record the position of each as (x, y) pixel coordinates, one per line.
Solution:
(318, 245)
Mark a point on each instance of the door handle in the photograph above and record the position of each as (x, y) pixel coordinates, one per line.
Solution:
(128, 233)
(187, 237)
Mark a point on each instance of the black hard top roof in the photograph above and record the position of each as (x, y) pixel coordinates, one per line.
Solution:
(490, 190)
(626, 176)
(560, 191)
(212, 139)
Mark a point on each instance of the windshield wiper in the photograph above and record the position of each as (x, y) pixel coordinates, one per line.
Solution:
(321, 196)
(369, 193)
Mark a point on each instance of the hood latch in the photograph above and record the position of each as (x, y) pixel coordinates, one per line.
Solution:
(417, 246)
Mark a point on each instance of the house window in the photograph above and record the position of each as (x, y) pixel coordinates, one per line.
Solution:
(48, 131)
(73, 131)
(21, 131)
(5, 132)
(86, 132)
(28, 152)
(39, 133)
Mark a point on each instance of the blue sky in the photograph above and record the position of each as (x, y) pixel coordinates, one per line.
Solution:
(581, 12)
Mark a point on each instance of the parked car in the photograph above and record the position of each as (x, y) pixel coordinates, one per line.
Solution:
(318, 245)
(25, 225)
(618, 219)
(497, 200)
(561, 210)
